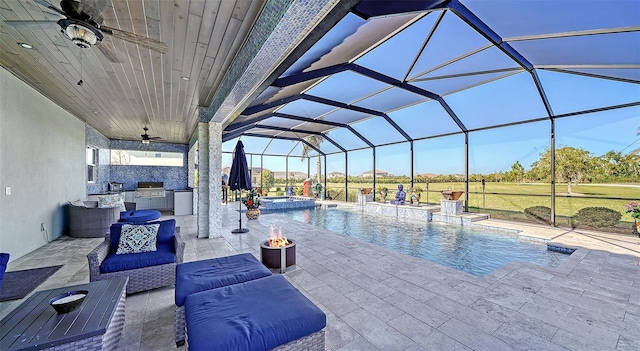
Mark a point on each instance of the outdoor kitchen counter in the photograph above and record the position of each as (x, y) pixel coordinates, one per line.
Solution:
(163, 203)
(182, 202)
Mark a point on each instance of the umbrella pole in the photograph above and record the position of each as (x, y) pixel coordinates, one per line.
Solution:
(240, 229)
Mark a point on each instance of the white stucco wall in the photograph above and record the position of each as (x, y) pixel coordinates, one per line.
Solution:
(42, 159)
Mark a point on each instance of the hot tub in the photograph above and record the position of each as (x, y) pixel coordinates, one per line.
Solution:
(287, 202)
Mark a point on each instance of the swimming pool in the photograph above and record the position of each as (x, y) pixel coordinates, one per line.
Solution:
(477, 251)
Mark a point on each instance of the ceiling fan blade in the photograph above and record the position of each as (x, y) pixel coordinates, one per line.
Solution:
(155, 138)
(70, 8)
(80, 11)
(92, 13)
(109, 51)
(46, 4)
(33, 24)
(143, 41)
(98, 5)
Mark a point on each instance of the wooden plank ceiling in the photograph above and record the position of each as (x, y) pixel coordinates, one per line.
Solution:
(148, 88)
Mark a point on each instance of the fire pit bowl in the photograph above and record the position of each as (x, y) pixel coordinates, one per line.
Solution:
(278, 257)
(451, 195)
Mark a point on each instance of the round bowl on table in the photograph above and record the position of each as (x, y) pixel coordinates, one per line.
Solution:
(69, 301)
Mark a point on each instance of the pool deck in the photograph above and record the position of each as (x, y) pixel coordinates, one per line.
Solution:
(377, 299)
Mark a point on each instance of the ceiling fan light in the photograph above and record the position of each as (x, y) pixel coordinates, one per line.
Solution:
(80, 35)
(145, 141)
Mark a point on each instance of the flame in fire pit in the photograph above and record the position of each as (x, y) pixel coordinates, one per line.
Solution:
(279, 240)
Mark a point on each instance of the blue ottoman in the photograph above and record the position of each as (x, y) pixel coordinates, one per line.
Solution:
(260, 314)
(196, 276)
(139, 216)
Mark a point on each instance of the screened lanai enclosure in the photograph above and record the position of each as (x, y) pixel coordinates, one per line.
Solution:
(532, 108)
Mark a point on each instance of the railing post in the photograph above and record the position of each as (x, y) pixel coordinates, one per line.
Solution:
(553, 172)
(466, 171)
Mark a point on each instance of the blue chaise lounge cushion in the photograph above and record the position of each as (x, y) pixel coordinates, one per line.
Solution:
(256, 315)
(196, 276)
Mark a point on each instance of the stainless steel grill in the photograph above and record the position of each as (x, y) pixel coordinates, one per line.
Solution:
(150, 189)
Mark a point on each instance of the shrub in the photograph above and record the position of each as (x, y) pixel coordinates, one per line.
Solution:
(539, 214)
(352, 195)
(278, 189)
(598, 217)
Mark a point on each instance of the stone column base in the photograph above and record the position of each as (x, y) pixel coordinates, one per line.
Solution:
(363, 199)
(451, 207)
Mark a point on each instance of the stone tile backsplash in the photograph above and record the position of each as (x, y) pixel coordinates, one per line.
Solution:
(174, 178)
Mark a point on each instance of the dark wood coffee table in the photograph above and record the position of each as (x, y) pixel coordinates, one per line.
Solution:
(96, 325)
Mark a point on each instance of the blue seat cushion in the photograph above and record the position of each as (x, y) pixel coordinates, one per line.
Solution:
(116, 263)
(4, 260)
(196, 276)
(166, 233)
(139, 216)
(256, 315)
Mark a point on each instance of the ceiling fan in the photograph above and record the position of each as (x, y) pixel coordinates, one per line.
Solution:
(83, 26)
(146, 139)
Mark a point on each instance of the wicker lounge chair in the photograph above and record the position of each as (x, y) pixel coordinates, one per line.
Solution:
(140, 279)
(92, 221)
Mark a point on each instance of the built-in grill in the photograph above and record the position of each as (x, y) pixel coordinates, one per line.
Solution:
(150, 189)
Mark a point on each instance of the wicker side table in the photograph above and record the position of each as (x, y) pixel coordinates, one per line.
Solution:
(96, 325)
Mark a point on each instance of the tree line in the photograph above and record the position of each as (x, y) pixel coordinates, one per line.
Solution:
(572, 166)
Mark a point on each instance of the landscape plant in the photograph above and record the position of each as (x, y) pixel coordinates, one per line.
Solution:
(633, 208)
(539, 214)
(598, 217)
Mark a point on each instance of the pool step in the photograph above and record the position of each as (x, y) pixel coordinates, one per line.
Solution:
(463, 219)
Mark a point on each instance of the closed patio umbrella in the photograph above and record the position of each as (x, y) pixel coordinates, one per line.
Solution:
(239, 179)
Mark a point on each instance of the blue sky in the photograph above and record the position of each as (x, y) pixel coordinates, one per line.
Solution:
(482, 85)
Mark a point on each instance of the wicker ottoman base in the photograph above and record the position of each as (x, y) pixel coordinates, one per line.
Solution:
(311, 342)
(181, 326)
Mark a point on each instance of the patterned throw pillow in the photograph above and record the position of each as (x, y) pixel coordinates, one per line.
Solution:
(78, 203)
(115, 200)
(136, 238)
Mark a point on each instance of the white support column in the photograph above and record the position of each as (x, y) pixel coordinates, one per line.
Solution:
(215, 180)
(203, 180)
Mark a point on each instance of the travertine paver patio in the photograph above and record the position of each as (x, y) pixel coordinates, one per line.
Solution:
(377, 299)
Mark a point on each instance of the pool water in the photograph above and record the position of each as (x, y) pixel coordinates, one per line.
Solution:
(477, 251)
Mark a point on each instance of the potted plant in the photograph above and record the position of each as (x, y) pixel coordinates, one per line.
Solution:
(252, 202)
(633, 207)
(415, 196)
(383, 194)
